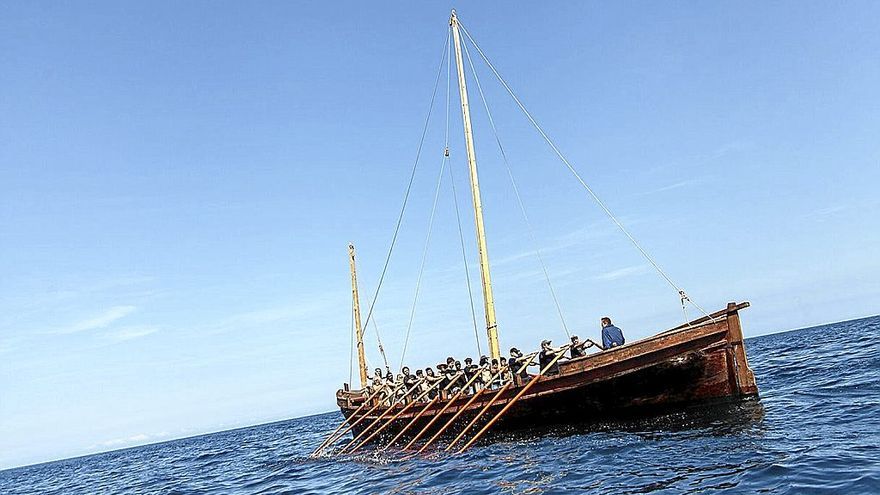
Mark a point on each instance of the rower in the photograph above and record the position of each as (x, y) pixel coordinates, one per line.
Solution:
(485, 374)
(470, 369)
(517, 361)
(423, 384)
(547, 355)
(409, 381)
(611, 335)
(431, 379)
(578, 348)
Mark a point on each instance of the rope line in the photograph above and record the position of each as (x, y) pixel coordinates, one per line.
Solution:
(577, 175)
(409, 185)
(467, 273)
(381, 347)
(519, 200)
(412, 312)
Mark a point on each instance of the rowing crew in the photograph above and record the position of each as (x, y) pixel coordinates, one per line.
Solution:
(452, 377)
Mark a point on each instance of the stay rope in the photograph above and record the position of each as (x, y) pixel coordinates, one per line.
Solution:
(519, 200)
(408, 187)
(583, 183)
(412, 311)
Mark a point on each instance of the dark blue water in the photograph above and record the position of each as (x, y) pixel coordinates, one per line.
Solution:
(816, 429)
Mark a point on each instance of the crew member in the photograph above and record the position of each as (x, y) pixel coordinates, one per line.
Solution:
(518, 368)
(578, 348)
(611, 335)
(547, 355)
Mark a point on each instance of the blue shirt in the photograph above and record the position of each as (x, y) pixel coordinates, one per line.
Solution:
(611, 335)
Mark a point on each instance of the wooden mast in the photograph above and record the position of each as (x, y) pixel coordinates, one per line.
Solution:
(356, 308)
(488, 299)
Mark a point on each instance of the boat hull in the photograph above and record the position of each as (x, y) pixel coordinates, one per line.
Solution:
(702, 361)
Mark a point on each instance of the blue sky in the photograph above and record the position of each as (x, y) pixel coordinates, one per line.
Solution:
(179, 182)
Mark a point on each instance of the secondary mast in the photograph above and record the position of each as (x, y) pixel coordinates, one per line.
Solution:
(356, 308)
(488, 299)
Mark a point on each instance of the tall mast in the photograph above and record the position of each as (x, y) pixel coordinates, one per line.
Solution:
(356, 308)
(488, 300)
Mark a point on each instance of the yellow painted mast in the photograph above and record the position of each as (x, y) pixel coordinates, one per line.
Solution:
(488, 300)
(356, 307)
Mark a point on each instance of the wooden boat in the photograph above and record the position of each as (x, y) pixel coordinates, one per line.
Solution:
(700, 361)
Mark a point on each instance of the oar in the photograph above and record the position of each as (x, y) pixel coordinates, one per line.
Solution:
(514, 399)
(438, 414)
(393, 418)
(330, 437)
(431, 403)
(464, 408)
(373, 423)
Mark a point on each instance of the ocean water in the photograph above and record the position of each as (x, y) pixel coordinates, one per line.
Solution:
(815, 429)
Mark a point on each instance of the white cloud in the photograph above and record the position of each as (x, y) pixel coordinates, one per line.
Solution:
(103, 320)
(622, 272)
(129, 333)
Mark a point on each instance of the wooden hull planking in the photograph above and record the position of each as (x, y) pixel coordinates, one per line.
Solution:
(698, 362)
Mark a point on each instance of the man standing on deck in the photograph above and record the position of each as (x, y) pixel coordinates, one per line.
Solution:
(611, 335)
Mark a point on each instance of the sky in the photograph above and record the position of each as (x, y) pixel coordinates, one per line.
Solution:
(179, 183)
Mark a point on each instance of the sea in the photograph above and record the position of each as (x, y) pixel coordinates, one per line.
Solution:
(815, 429)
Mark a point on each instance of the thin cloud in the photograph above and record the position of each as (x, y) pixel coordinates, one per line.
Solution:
(675, 185)
(103, 320)
(129, 333)
(622, 272)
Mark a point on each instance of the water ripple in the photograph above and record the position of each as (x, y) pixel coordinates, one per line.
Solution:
(816, 429)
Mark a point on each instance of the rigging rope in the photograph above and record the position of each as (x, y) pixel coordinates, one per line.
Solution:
(412, 312)
(381, 348)
(519, 200)
(408, 186)
(467, 274)
(578, 177)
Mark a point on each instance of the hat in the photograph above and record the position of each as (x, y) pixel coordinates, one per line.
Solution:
(545, 341)
(574, 337)
(513, 349)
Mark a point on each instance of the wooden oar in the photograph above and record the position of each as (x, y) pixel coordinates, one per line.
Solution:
(439, 413)
(431, 403)
(393, 418)
(373, 423)
(514, 399)
(330, 437)
(462, 409)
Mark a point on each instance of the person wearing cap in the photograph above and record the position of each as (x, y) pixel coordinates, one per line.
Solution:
(547, 355)
(470, 369)
(611, 335)
(518, 368)
(578, 348)
(505, 369)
